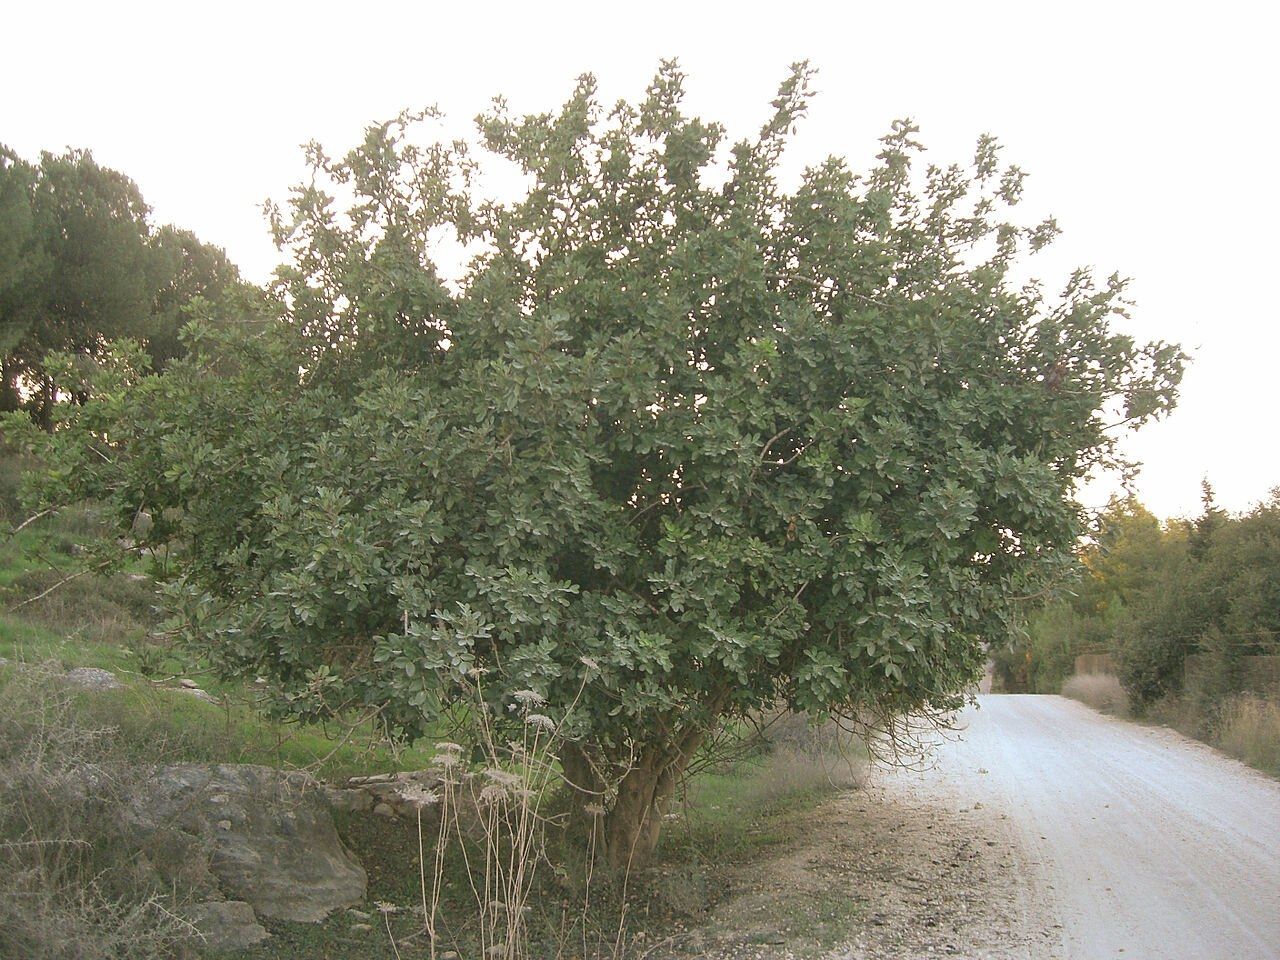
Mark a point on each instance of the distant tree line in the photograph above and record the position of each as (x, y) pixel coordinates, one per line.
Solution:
(1154, 594)
(81, 266)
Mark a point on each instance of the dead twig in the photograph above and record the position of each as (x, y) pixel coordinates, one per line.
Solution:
(65, 580)
(30, 520)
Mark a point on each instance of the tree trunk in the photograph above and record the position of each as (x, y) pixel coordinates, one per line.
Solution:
(632, 827)
(626, 830)
(48, 395)
(10, 399)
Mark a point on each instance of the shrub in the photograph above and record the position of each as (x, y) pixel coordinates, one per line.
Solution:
(699, 439)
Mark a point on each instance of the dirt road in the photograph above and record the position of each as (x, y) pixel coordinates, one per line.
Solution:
(1040, 830)
(1138, 842)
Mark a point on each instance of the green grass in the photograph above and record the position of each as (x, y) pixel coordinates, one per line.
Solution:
(735, 814)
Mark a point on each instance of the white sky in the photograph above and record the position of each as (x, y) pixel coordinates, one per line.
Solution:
(1149, 130)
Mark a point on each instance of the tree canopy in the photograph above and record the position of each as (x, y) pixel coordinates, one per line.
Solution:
(81, 266)
(682, 443)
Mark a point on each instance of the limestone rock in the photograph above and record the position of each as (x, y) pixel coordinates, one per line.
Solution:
(266, 836)
(92, 678)
(352, 801)
(196, 692)
(226, 924)
(409, 794)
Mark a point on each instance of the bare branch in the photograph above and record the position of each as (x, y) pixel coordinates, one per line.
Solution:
(65, 580)
(30, 520)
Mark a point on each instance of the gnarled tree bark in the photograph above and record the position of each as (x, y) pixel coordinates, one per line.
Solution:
(623, 802)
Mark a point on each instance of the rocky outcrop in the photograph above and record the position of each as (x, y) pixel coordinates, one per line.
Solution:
(192, 689)
(410, 794)
(226, 833)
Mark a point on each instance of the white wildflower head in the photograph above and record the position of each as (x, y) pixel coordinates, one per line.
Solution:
(591, 663)
(504, 777)
(540, 720)
(593, 810)
(529, 698)
(420, 794)
(444, 746)
(493, 793)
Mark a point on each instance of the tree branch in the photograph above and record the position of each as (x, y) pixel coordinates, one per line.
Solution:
(65, 580)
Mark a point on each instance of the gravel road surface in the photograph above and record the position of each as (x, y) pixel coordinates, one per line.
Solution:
(1136, 842)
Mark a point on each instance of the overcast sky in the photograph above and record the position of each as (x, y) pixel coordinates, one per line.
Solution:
(1150, 131)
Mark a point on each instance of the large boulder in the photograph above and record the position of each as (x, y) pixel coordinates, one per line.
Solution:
(241, 832)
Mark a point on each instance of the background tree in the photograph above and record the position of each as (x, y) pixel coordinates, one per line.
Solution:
(1155, 595)
(80, 266)
(1127, 560)
(94, 226)
(24, 269)
(189, 269)
(1215, 597)
(680, 445)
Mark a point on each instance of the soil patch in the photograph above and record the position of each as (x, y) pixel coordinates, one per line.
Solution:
(895, 870)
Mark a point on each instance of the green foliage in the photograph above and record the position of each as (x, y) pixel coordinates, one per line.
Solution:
(1156, 594)
(1218, 597)
(197, 280)
(1055, 635)
(679, 445)
(81, 266)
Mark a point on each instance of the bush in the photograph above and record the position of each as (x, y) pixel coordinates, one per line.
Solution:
(680, 441)
(1186, 716)
(1102, 691)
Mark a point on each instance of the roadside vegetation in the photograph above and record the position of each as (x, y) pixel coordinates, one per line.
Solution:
(1177, 622)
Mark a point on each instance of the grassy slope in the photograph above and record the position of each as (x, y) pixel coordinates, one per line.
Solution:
(104, 621)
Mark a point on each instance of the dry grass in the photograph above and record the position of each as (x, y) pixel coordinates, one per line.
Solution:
(73, 882)
(1102, 691)
(1249, 729)
(804, 758)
